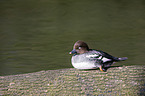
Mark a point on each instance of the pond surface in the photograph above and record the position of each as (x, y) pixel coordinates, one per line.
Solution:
(38, 34)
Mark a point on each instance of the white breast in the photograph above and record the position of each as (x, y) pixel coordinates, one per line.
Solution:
(84, 65)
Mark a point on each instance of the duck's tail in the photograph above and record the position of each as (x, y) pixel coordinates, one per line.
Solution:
(122, 58)
(115, 59)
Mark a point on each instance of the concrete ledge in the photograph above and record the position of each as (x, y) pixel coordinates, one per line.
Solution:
(126, 81)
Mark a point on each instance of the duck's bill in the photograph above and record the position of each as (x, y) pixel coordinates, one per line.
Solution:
(73, 51)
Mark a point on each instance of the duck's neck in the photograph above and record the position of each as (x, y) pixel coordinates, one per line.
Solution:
(83, 51)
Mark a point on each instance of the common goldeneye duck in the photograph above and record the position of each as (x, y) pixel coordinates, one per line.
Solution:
(85, 58)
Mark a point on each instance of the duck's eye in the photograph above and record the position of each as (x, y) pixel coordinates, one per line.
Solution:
(78, 48)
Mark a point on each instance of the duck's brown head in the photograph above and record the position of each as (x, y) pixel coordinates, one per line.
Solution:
(80, 47)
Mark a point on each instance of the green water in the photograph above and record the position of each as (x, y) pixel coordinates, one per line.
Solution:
(38, 34)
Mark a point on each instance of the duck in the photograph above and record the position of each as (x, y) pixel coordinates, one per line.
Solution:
(86, 58)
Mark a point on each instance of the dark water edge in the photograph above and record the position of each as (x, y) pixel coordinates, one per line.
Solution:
(38, 35)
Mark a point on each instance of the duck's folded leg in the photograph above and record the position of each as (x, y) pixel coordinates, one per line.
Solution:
(102, 69)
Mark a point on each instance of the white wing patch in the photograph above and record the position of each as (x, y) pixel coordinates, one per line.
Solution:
(100, 57)
(105, 59)
(92, 56)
